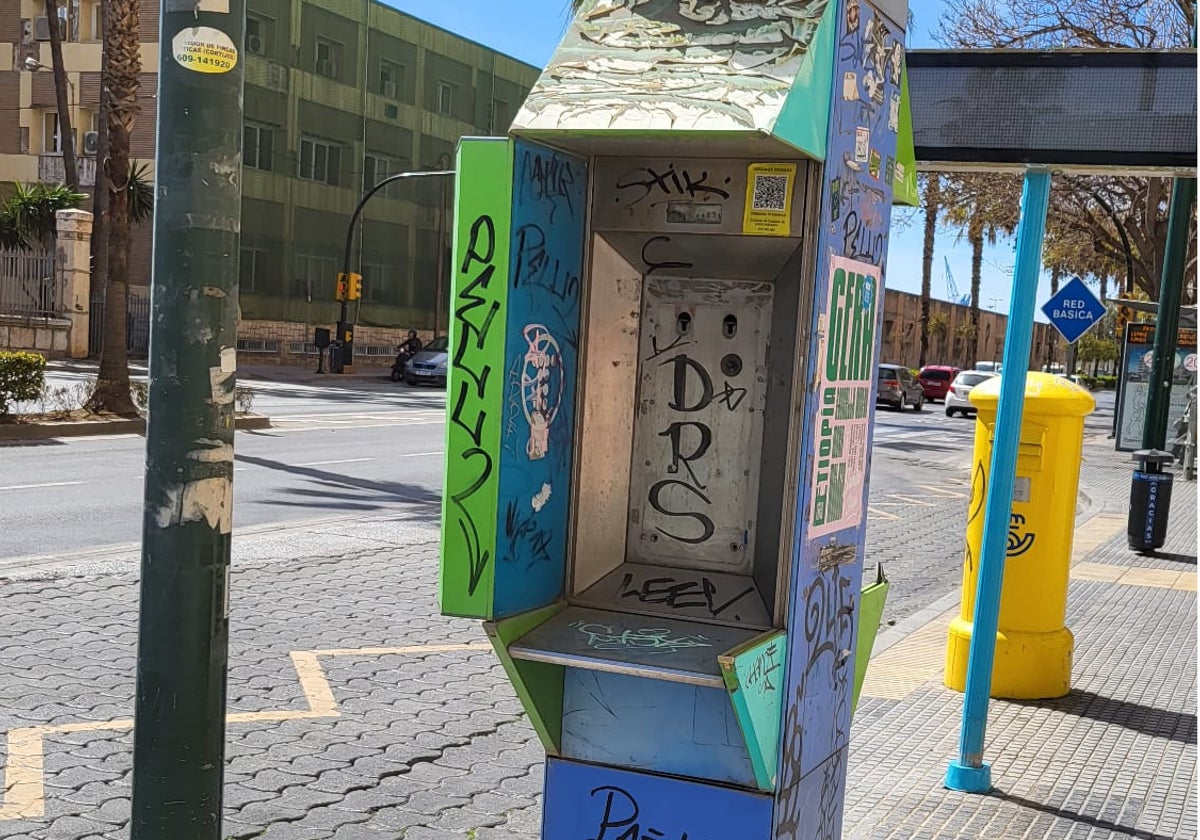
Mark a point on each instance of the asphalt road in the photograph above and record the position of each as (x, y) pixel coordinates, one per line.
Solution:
(352, 447)
(347, 447)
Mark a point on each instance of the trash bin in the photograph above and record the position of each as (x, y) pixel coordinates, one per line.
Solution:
(335, 357)
(1149, 500)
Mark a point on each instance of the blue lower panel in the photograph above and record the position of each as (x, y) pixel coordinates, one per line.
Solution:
(586, 802)
(811, 807)
(665, 727)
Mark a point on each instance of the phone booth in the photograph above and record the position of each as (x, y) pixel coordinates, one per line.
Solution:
(667, 299)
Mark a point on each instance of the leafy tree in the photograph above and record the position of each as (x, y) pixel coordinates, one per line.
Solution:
(931, 203)
(1123, 218)
(984, 206)
(27, 216)
(120, 68)
(67, 136)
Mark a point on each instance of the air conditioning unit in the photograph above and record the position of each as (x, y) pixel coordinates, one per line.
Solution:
(254, 44)
(389, 90)
(41, 28)
(91, 142)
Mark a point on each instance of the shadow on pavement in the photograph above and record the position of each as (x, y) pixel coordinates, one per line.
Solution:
(1148, 720)
(1082, 819)
(337, 491)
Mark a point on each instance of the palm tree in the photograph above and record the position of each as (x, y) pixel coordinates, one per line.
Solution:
(27, 217)
(119, 75)
(70, 174)
(930, 200)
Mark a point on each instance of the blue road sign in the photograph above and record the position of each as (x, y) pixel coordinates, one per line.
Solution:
(1074, 310)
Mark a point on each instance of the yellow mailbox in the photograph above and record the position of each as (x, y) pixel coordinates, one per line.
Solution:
(1033, 644)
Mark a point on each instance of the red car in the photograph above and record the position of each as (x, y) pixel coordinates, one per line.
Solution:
(935, 380)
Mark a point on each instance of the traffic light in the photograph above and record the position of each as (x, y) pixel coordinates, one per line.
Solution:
(355, 290)
(339, 291)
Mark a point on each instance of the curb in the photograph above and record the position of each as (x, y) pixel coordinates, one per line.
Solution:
(88, 428)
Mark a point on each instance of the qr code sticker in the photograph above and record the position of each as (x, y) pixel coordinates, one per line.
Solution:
(770, 192)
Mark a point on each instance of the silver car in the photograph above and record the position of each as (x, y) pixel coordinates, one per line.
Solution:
(429, 364)
(960, 389)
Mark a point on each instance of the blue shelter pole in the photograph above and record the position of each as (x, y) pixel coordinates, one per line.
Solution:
(969, 772)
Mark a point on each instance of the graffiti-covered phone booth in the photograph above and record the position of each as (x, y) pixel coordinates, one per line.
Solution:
(667, 299)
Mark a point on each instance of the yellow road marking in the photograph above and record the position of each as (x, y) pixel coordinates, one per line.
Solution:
(24, 793)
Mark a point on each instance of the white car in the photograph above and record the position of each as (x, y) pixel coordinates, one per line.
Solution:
(960, 389)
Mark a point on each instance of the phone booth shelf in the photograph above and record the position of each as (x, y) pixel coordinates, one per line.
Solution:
(667, 302)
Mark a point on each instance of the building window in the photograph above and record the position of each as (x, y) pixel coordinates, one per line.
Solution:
(377, 282)
(91, 13)
(257, 143)
(51, 136)
(253, 269)
(329, 58)
(391, 79)
(256, 35)
(315, 276)
(445, 98)
(375, 169)
(319, 161)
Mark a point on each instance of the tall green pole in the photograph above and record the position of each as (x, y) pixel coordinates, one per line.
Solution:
(1162, 369)
(183, 633)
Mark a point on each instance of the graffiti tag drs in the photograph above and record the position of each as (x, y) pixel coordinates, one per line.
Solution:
(690, 441)
(542, 384)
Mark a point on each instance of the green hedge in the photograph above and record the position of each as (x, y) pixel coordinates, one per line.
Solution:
(22, 377)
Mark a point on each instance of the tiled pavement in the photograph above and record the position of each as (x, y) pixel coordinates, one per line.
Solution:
(358, 712)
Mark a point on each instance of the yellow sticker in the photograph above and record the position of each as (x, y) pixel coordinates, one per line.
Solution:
(204, 50)
(769, 199)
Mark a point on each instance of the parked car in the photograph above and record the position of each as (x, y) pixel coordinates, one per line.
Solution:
(935, 380)
(960, 389)
(429, 365)
(989, 367)
(898, 387)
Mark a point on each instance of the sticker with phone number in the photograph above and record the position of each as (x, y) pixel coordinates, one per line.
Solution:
(204, 49)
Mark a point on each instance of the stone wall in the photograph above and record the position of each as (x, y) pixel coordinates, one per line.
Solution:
(49, 336)
(283, 343)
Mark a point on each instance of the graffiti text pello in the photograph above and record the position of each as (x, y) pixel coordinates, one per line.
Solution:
(1033, 645)
(667, 299)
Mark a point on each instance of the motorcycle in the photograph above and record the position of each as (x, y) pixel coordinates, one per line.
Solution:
(405, 353)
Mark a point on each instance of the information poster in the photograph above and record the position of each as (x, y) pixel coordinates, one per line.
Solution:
(847, 369)
(1136, 361)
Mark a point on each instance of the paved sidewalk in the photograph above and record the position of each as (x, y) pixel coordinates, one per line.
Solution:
(1114, 759)
(358, 712)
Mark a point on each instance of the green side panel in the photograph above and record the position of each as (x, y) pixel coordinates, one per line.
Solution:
(904, 183)
(538, 684)
(870, 612)
(753, 674)
(803, 121)
(475, 390)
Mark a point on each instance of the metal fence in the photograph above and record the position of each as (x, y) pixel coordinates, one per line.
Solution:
(137, 325)
(28, 286)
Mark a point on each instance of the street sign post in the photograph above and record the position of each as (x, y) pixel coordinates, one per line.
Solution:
(1074, 310)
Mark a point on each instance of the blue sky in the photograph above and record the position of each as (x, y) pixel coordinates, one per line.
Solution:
(532, 33)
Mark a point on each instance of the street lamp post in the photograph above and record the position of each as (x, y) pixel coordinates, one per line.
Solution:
(345, 331)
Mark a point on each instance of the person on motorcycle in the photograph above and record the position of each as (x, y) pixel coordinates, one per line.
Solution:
(405, 351)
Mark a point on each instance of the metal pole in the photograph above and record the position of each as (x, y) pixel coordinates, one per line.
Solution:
(1162, 369)
(443, 161)
(969, 772)
(362, 202)
(183, 632)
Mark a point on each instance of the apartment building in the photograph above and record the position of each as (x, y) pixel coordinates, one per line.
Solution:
(338, 95)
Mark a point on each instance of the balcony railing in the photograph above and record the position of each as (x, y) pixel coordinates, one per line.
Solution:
(51, 170)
